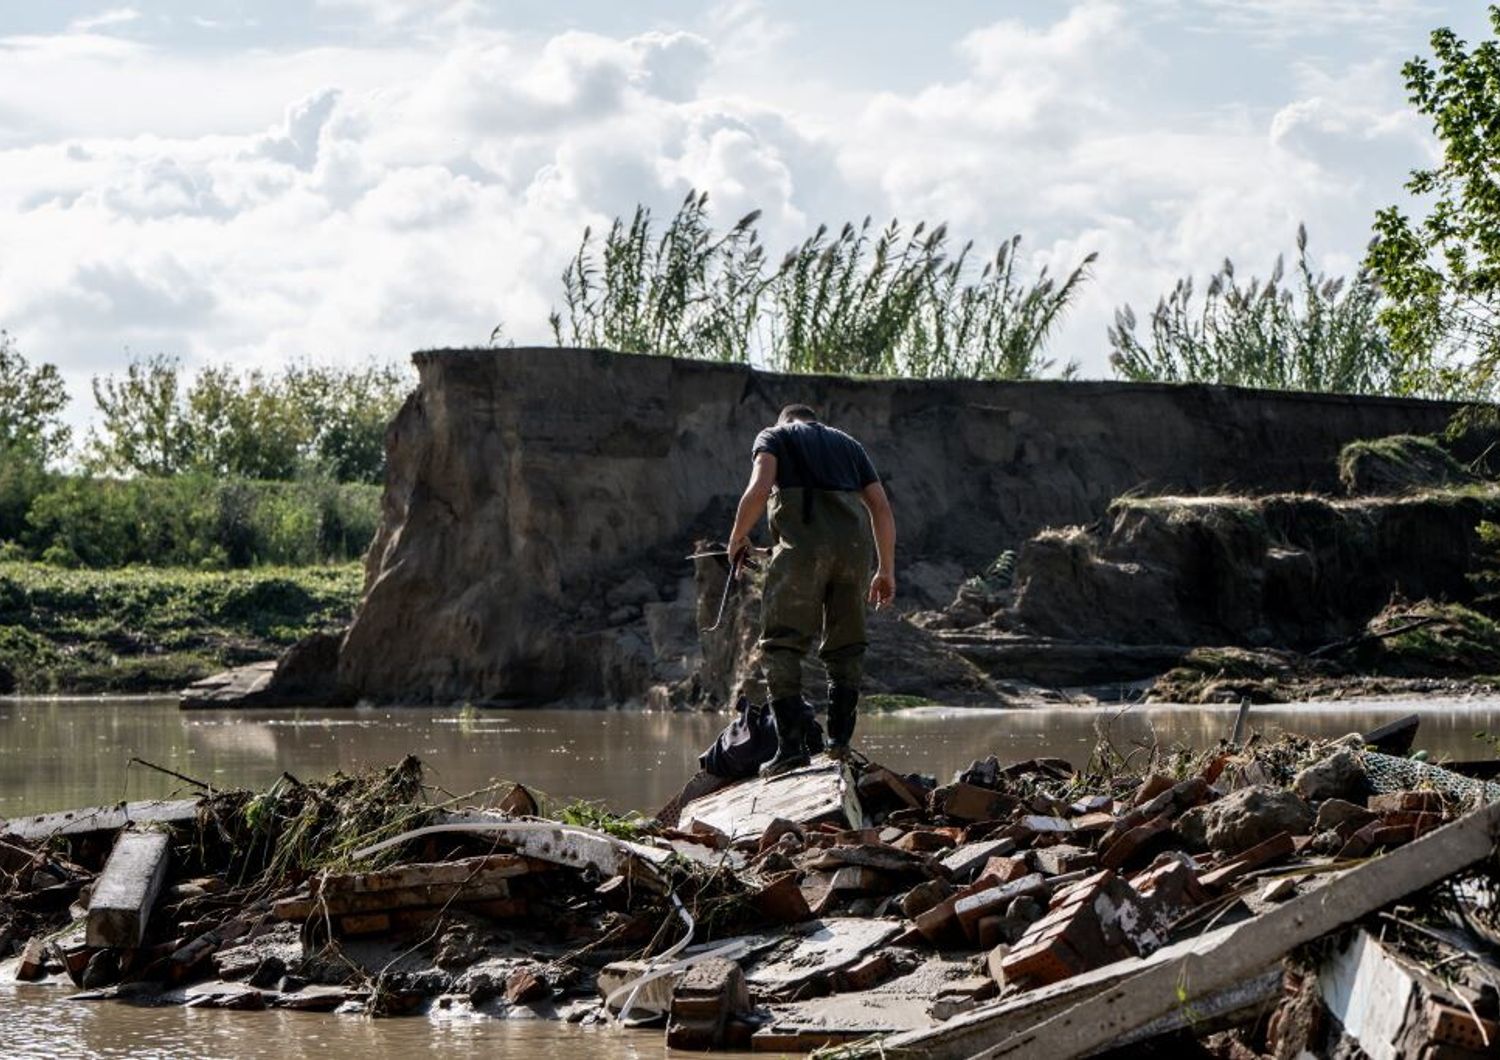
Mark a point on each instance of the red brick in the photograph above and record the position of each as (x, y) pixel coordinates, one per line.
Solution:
(966, 802)
(1151, 787)
(1131, 843)
(924, 842)
(1094, 822)
(1042, 964)
(782, 900)
(1424, 801)
(1004, 870)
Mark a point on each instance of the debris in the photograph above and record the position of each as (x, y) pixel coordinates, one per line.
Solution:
(820, 792)
(127, 889)
(99, 819)
(710, 1008)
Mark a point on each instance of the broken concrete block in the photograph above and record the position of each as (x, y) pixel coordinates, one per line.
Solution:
(1279, 889)
(655, 997)
(815, 950)
(1061, 859)
(868, 855)
(33, 960)
(963, 994)
(1339, 776)
(1093, 822)
(126, 890)
(993, 902)
(1092, 804)
(1040, 824)
(819, 792)
(1252, 815)
(966, 861)
(857, 879)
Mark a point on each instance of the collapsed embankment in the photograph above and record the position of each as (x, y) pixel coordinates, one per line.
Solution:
(539, 502)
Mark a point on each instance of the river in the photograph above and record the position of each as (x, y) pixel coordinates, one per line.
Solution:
(62, 753)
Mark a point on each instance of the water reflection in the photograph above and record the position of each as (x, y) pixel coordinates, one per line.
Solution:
(57, 754)
(38, 1022)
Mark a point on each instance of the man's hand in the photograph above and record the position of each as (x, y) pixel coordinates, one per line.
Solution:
(739, 550)
(882, 589)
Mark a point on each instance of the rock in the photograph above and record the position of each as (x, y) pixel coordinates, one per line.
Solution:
(102, 970)
(524, 987)
(1249, 816)
(1339, 776)
(1192, 828)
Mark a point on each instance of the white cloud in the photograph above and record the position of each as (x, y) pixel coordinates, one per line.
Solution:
(373, 198)
(116, 16)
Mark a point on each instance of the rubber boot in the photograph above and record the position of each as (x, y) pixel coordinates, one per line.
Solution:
(791, 736)
(842, 706)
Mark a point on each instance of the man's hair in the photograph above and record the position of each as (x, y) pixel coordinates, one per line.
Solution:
(796, 414)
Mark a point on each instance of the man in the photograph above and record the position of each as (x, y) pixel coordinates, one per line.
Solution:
(824, 497)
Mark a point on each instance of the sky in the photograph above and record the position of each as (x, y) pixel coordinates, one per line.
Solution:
(256, 181)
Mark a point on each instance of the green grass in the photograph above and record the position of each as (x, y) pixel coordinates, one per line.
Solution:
(889, 701)
(151, 629)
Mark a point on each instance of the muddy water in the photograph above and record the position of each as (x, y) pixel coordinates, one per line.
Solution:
(57, 754)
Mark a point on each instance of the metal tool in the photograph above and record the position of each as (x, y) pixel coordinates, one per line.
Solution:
(743, 559)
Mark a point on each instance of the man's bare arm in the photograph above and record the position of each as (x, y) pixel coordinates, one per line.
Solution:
(883, 585)
(752, 502)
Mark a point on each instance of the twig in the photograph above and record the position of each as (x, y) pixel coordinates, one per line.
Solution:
(170, 773)
(1340, 646)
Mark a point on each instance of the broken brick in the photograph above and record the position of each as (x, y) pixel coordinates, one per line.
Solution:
(965, 802)
(1061, 859)
(1132, 843)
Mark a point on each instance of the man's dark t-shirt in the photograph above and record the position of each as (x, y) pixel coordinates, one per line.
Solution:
(830, 459)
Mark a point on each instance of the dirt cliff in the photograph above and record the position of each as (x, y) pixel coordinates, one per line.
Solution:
(539, 502)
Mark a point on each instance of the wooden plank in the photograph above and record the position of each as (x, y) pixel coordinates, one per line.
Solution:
(822, 791)
(102, 818)
(127, 889)
(1255, 944)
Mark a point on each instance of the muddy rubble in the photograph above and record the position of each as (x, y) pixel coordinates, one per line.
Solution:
(1275, 898)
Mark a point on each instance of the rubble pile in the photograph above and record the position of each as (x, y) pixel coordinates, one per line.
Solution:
(1254, 899)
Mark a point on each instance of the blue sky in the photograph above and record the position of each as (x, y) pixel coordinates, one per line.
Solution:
(345, 179)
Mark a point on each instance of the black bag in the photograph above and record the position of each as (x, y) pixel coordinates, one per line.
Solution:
(749, 742)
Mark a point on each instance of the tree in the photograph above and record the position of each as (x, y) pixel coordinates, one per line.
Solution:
(895, 302)
(32, 401)
(305, 420)
(1312, 333)
(1441, 275)
(145, 429)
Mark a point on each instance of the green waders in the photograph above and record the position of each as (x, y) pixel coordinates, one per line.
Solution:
(816, 584)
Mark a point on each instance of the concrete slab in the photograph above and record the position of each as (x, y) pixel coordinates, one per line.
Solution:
(821, 791)
(127, 888)
(818, 948)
